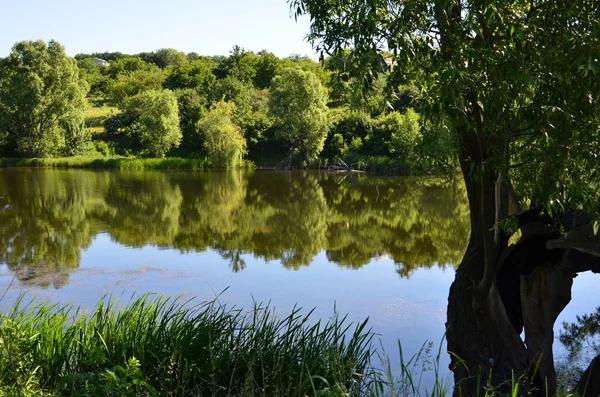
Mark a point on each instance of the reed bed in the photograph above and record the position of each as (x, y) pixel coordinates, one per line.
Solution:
(163, 346)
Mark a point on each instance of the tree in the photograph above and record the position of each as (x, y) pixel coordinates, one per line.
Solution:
(126, 66)
(267, 67)
(516, 85)
(91, 73)
(307, 64)
(223, 138)
(299, 104)
(155, 121)
(128, 85)
(196, 74)
(240, 65)
(400, 134)
(42, 100)
(166, 57)
(192, 109)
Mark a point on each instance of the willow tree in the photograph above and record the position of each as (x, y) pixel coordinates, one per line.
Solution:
(42, 100)
(516, 84)
(223, 139)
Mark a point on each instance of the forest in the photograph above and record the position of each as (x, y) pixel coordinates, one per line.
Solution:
(237, 110)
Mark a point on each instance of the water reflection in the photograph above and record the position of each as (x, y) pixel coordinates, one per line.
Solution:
(47, 217)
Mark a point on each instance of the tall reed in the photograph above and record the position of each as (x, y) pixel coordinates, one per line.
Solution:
(182, 348)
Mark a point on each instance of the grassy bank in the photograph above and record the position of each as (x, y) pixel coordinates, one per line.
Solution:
(119, 163)
(169, 347)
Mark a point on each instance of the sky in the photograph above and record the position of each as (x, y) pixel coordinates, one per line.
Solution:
(208, 27)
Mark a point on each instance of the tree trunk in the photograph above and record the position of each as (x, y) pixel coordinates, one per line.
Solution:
(499, 290)
(544, 294)
(483, 345)
(531, 287)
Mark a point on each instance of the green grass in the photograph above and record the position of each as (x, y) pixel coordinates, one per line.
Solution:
(95, 115)
(120, 163)
(165, 346)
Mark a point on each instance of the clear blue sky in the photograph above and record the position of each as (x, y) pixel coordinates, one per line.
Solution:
(132, 26)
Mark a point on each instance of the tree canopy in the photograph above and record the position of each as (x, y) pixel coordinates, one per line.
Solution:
(42, 100)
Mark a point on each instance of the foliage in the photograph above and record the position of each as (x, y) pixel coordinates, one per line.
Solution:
(267, 67)
(308, 65)
(192, 109)
(196, 74)
(107, 56)
(240, 65)
(92, 74)
(299, 104)
(535, 102)
(166, 58)
(125, 86)
(398, 135)
(42, 100)
(243, 78)
(127, 65)
(349, 128)
(223, 138)
(155, 121)
(183, 348)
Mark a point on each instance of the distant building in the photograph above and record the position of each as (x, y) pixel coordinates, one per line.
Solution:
(101, 62)
(389, 65)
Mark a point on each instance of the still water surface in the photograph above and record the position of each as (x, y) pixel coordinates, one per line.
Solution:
(377, 247)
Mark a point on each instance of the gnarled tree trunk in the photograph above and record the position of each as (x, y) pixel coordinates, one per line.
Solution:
(525, 289)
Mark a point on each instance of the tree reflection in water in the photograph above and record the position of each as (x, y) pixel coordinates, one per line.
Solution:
(47, 217)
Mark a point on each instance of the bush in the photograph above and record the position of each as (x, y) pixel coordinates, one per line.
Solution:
(395, 134)
(101, 147)
(352, 126)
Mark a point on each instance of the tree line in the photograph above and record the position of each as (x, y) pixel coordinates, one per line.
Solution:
(245, 105)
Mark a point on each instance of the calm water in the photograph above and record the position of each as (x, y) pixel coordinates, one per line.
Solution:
(382, 247)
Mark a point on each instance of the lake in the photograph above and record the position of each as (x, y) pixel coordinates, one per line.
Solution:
(370, 246)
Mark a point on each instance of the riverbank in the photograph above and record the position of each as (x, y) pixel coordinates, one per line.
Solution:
(373, 164)
(119, 163)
